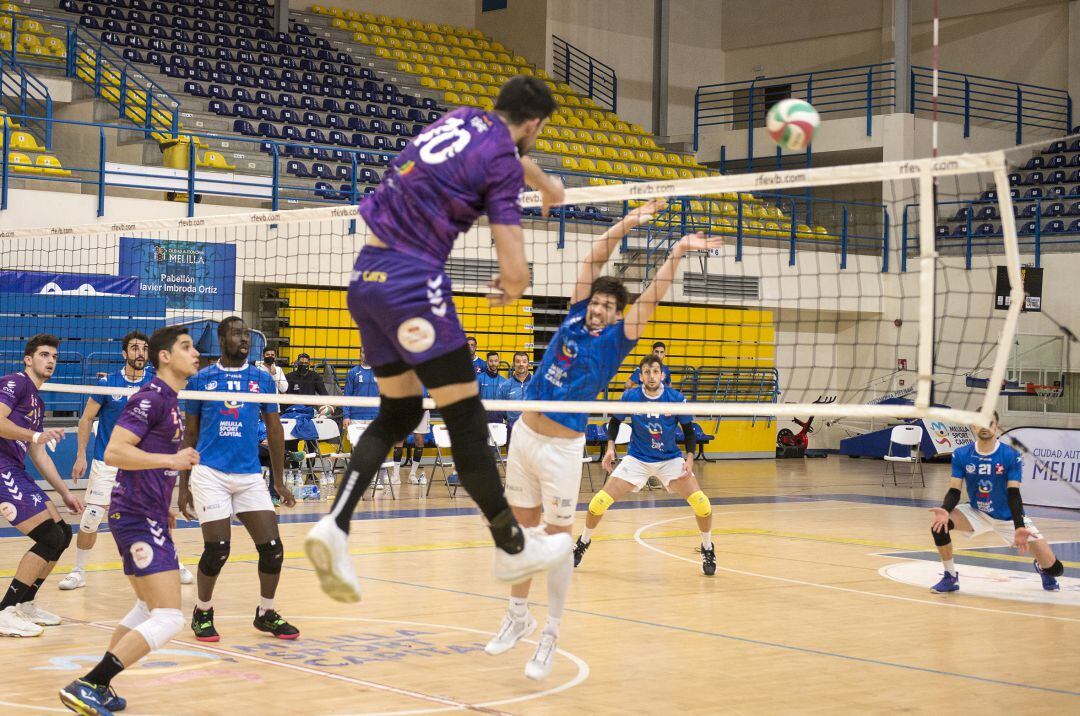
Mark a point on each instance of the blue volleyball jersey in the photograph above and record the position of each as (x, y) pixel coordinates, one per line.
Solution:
(229, 430)
(578, 364)
(986, 477)
(654, 436)
(110, 407)
(361, 382)
(479, 365)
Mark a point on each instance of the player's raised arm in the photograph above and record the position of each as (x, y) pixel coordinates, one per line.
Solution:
(513, 276)
(641, 312)
(550, 187)
(593, 264)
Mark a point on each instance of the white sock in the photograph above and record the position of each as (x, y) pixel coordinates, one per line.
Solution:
(558, 584)
(518, 606)
(586, 535)
(179, 562)
(265, 605)
(82, 556)
(950, 566)
(706, 540)
(203, 606)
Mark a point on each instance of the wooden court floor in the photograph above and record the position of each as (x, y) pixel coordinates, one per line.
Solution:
(801, 616)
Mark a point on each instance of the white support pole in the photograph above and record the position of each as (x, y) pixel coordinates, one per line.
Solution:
(927, 267)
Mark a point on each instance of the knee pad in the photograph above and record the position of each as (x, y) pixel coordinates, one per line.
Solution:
(91, 518)
(138, 614)
(599, 504)
(68, 535)
(397, 417)
(943, 538)
(700, 504)
(48, 540)
(214, 557)
(271, 555)
(160, 627)
(417, 454)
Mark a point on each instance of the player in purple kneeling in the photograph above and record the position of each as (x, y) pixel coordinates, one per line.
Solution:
(468, 163)
(145, 447)
(22, 502)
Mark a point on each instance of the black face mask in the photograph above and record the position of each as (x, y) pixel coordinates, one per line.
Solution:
(302, 369)
(269, 360)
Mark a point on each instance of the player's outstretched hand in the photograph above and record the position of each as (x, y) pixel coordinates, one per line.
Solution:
(172, 519)
(608, 462)
(185, 502)
(646, 212)
(941, 519)
(701, 242)
(1020, 540)
(73, 503)
(287, 497)
(687, 467)
(78, 469)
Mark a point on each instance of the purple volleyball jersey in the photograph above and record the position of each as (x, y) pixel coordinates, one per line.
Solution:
(20, 394)
(464, 165)
(152, 414)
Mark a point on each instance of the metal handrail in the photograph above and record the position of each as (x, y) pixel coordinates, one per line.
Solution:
(584, 72)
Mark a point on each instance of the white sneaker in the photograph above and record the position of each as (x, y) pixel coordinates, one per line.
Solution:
(417, 477)
(328, 549)
(73, 580)
(13, 624)
(186, 577)
(511, 631)
(395, 475)
(539, 666)
(542, 552)
(32, 613)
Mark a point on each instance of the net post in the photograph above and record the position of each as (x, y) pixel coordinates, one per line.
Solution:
(1016, 289)
(927, 267)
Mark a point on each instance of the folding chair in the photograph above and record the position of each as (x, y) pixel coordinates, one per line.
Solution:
(497, 440)
(442, 442)
(328, 431)
(911, 436)
(382, 475)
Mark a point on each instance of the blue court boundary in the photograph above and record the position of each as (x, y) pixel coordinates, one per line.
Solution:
(641, 504)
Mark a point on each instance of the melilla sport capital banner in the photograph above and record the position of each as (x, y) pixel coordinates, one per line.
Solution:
(1052, 470)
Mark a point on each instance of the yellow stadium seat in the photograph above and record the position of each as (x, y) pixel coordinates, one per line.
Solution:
(609, 153)
(32, 26)
(6, 23)
(336, 12)
(653, 172)
(727, 208)
(560, 147)
(637, 171)
(9, 7)
(685, 173)
(23, 141)
(56, 47)
(339, 24)
(452, 98)
(51, 166)
(577, 148)
(28, 42)
(574, 122)
(319, 10)
(427, 82)
(594, 151)
(803, 231)
(822, 232)
(214, 160)
(570, 164)
(620, 168)
(542, 145)
(625, 155)
(588, 165)
(470, 100)
(22, 164)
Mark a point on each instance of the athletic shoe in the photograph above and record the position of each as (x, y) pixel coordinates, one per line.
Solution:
(579, 550)
(949, 583)
(511, 631)
(417, 477)
(539, 666)
(453, 479)
(35, 615)
(113, 701)
(186, 577)
(1050, 582)
(276, 502)
(395, 475)
(708, 561)
(12, 623)
(272, 623)
(542, 552)
(86, 699)
(202, 623)
(73, 580)
(327, 547)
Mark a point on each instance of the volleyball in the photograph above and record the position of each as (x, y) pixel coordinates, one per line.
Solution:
(792, 123)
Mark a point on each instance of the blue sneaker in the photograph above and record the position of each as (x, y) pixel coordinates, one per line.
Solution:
(1050, 582)
(948, 583)
(85, 699)
(114, 701)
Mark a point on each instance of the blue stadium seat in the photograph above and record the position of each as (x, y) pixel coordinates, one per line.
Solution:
(1057, 226)
(987, 213)
(1074, 227)
(986, 230)
(267, 114)
(290, 116)
(312, 120)
(369, 176)
(292, 134)
(321, 171)
(942, 231)
(360, 140)
(1056, 177)
(268, 130)
(343, 172)
(1035, 177)
(339, 138)
(1055, 209)
(1074, 210)
(242, 126)
(1034, 192)
(220, 108)
(1058, 160)
(1035, 162)
(315, 136)
(1028, 228)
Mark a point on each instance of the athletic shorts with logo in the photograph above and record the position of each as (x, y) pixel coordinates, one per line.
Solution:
(20, 497)
(220, 495)
(542, 470)
(100, 484)
(403, 307)
(983, 523)
(144, 543)
(637, 472)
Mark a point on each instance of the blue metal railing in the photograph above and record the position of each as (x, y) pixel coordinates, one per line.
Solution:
(39, 41)
(867, 90)
(966, 222)
(585, 73)
(25, 95)
(991, 102)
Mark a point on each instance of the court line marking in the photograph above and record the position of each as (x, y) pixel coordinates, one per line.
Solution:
(373, 685)
(638, 538)
(731, 637)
